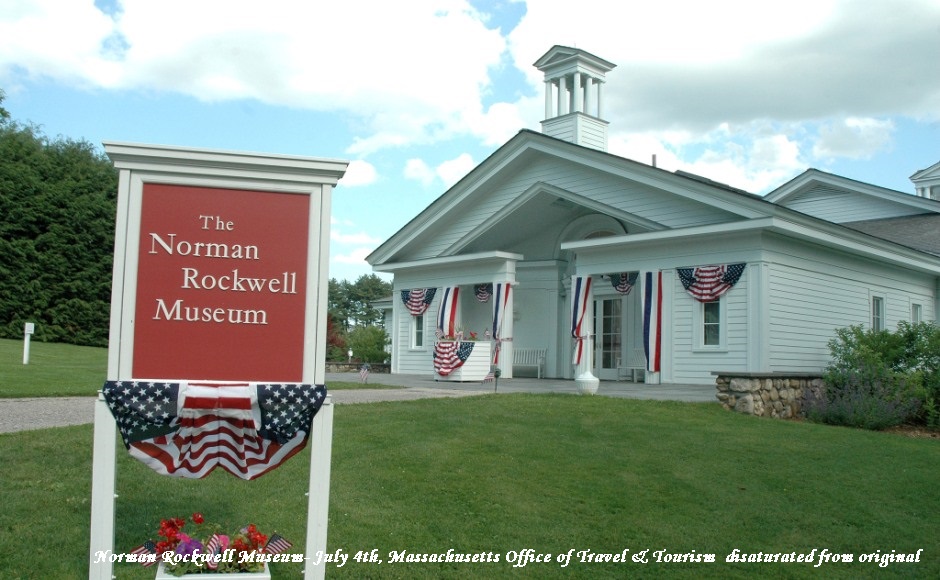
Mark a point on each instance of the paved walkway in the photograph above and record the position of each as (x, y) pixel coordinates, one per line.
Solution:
(40, 413)
(626, 390)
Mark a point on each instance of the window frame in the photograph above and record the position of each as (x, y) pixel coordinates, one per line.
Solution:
(699, 323)
(418, 332)
(917, 312)
(877, 312)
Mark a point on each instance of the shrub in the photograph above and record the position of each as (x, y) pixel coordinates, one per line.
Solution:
(877, 379)
(872, 398)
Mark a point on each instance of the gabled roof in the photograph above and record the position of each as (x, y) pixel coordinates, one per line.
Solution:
(526, 144)
(932, 172)
(561, 57)
(812, 178)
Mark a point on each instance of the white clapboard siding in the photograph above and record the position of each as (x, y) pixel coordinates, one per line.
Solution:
(810, 299)
(695, 365)
(640, 200)
(840, 206)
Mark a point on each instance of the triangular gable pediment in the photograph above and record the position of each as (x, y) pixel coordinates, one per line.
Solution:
(930, 174)
(525, 182)
(840, 199)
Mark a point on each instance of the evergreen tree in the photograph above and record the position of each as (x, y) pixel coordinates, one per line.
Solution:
(57, 207)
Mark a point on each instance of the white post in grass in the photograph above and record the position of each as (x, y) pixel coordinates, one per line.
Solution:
(28, 331)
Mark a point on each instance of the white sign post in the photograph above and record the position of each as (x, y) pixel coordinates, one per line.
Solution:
(230, 182)
(28, 331)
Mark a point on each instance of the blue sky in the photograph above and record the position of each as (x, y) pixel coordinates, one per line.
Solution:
(416, 93)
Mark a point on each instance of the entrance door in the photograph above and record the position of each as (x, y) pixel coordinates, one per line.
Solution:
(608, 322)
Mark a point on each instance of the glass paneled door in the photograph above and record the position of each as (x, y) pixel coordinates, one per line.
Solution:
(608, 324)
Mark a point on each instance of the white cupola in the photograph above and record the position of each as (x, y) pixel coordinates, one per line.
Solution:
(574, 80)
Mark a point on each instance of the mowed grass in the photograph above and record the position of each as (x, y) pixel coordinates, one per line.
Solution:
(498, 474)
(54, 370)
(61, 370)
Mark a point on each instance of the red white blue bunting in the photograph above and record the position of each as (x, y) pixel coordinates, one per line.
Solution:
(500, 306)
(624, 282)
(447, 316)
(449, 355)
(580, 296)
(483, 292)
(652, 319)
(708, 283)
(418, 300)
(187, 429)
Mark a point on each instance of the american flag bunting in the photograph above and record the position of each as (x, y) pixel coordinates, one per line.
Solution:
(708, 283)
(187, 429)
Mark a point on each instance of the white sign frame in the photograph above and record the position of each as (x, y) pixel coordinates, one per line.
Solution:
(140, 164)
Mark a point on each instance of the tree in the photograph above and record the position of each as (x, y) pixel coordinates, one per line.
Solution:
(338, 303)
(366, 290)
(368, 343)
(57, 207)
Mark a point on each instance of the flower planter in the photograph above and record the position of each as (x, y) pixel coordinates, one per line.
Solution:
(475, 368)
(264, 575)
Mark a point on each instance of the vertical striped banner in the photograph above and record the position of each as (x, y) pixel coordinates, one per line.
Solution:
(580, 292)
(501, 292)
(447, 317)
(652, 319)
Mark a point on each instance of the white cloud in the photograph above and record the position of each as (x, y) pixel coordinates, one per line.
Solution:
(357, 256)
(452, 171)
(356, 239)
(853, 138)
(418, 170)
(449, 172)
(411, 71)
(359, 173)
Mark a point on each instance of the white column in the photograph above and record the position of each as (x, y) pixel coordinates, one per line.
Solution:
(587, 327)
(590, 107)
(318, 488)
(600, 100)
(103, 472)
(506, 348)
(584, 378)
(548, 99)
(562, 97)
(577, 94)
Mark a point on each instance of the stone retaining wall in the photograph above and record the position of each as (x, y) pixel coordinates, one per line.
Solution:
(780, 395)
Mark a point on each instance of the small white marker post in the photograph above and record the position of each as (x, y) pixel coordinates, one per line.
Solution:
(28, 331)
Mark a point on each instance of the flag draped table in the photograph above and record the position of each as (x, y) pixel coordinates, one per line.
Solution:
(188, 428)
(449, 355)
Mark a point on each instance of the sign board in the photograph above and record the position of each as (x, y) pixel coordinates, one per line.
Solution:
(30, 328)
(221, 284)
(220, 273)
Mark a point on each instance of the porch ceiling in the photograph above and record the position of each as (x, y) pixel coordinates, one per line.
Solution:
(532, 229)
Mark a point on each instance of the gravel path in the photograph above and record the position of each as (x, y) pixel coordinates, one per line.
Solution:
(41, 413)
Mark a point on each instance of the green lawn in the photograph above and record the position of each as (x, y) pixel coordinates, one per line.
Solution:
(503, 473)
(60, 370)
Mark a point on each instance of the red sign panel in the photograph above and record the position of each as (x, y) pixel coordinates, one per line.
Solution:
(221, 284)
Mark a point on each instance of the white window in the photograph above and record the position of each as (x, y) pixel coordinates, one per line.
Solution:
(917, 313)
(711, 323)
(709, 320)
(417, 331)
(877, 313)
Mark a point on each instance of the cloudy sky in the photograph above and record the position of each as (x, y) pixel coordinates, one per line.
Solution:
(416, 93)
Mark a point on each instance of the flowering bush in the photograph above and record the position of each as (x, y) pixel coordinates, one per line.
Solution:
(204, 547)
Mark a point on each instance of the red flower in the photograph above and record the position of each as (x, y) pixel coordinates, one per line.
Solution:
(197, 518)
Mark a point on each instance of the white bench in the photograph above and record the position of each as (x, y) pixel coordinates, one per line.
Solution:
(637, 365)
(529, 357)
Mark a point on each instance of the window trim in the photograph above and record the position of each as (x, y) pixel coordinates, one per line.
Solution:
(877, 317)
(698, 327)
(917, 312)
(418, 331)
